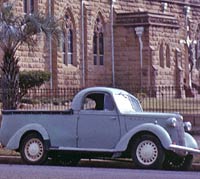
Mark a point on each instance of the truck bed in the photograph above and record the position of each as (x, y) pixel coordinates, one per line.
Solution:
(8, 112)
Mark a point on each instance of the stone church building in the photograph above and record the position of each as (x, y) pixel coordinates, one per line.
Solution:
(122, 43)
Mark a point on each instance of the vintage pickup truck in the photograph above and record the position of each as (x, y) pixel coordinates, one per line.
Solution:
(102, 122)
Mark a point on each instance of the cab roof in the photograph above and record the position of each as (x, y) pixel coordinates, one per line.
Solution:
(77, 101)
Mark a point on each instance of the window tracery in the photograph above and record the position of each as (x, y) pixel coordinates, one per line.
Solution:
(68, 41)
(98, 42)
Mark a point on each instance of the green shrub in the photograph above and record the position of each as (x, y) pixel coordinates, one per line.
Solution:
(31, 79)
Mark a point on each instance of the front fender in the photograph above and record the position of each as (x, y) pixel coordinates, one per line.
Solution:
(14, 141)
(190, 141)
(155, 129)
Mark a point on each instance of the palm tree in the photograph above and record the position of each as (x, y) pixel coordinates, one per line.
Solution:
(15, 31)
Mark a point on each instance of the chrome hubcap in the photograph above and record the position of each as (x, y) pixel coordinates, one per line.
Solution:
(34, 150)
(147, 152)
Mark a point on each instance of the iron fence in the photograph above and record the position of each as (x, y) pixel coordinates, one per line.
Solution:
(48, 99)
(168, 99)
(159, 99)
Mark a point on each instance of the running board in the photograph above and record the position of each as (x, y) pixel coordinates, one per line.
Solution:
(84, 149)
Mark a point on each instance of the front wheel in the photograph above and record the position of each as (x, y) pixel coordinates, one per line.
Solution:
(147, 152)
(33, 151)
(176, 162)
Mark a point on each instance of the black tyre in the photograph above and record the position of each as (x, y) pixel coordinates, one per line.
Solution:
(176, 162)
(33, 151)
(147, 152)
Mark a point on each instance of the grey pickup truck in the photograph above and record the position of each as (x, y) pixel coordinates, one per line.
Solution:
(102, 122)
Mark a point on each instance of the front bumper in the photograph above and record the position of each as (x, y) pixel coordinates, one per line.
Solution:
(183, 150)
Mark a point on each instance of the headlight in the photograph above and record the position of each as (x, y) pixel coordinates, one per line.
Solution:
(187, 126)
(172, 122)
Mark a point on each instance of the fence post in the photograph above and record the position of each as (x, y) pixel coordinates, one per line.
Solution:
(162, 94)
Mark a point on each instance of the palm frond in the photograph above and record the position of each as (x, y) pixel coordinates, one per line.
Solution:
(15, 31)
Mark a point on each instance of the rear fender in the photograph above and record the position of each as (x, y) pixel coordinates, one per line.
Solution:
(14, 142)
(155, 129)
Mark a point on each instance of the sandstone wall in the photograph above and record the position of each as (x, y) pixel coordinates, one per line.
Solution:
(127, 56)
(153, 37)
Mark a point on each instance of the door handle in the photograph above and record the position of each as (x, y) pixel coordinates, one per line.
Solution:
(113, 118)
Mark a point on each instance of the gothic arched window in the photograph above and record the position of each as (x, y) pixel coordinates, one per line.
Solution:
(168, 60)
(98, 42)
(68, 41)
(161, 55)
(30, 6)
(197, 53)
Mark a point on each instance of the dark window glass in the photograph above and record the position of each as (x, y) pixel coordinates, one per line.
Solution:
(95, 48)
(63, 49)
(101, 46)
(101, 49)
(161, 55)
(95, 59)
(168, 61)
(25, 6)
(95, 43)
(32, 6)
(70, 41)
(95, 101)
(29, 6)
(70, 46)
(101, 60)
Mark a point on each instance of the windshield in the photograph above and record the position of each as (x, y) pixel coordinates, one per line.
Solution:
(127, 103)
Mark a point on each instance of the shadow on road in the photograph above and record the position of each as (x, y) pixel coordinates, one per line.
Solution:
(98, 163)
(106, 163)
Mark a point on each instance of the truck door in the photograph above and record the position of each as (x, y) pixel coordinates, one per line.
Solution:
(98, 124)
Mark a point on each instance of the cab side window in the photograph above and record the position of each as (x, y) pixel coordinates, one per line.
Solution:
(89, 104)
(108, 103)
(98, 101)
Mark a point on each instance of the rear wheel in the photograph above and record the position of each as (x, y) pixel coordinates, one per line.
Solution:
(33, 150)
(147, 152)
(176, 162)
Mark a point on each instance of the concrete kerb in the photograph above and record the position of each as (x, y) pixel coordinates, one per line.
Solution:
(10, 159)
(196, 167)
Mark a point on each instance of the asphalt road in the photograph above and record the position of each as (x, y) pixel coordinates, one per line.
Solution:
(58, 172)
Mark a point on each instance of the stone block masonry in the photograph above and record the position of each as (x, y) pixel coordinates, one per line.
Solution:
(163, 30)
